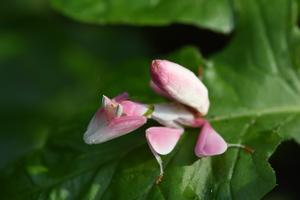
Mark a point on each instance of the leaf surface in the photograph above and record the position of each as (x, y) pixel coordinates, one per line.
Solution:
(213, 14)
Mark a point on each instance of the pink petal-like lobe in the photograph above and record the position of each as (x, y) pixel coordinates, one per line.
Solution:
(162, 140)
(181, 84)
(131, 108)
(209, 142)
(126, 124)
(100, 131)
(159, 91)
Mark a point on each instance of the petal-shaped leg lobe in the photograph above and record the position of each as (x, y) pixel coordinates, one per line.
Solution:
(209, 142)
(101, 131)
(162, 140)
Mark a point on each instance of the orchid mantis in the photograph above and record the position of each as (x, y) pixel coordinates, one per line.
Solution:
(187, 106)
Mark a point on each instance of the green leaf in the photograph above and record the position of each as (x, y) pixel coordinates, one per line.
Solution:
(259, 73)
(125, 168)
(213, 14)
(255, 97)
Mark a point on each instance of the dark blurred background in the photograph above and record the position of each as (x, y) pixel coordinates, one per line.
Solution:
(51, 66)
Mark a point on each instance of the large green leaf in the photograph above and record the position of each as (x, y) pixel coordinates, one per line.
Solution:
(213, 14)
(255, 97)
(259, 73)
(66, 168)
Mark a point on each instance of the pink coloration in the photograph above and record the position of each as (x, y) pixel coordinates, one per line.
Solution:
(126, 124)
(162, 140)
(196, 123)
(209, 142)
(111, 121)
(121, 97)
(172, 115)
(134, 109)
(181, 84)
(176, 115)
(159, 91)
(119, 116)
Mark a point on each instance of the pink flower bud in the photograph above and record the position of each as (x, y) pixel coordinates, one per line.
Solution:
(209, 142)
(115, 118)
(162, 140)
(179, 83)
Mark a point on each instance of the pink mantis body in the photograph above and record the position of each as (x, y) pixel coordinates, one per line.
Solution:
(189, 103)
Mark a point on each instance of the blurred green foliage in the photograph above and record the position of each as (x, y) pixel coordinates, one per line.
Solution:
(50, 71)
(214, 14)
